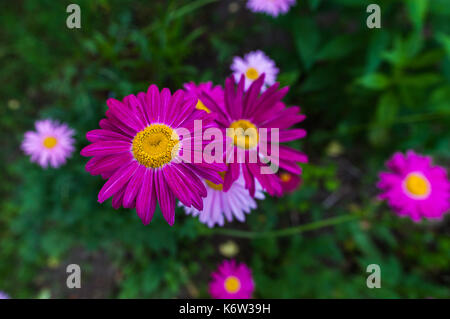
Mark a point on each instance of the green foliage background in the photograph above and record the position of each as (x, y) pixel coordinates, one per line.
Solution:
(367, 93)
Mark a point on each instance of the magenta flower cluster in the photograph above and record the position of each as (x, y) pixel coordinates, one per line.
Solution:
(150, 150)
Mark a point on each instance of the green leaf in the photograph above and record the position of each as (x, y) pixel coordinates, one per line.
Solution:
(374, 81)
(427, 59)
(404, 49)
(386, 112)
(378, 44)
(317, 80)
(417, 10)
(188, 8)
(421, 80)
(387, 109)
(288, 78)
(444, 39)
(337, 48)
(307, 40)
(314, 4)
(439, 7)
(353, 3)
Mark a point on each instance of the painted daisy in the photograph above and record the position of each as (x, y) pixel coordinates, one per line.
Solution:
(252, 66)
(271, 7)
(194, 90)
(232, 281)
(289, 182)
(414, 187)
(144, 151)
(51, 143)
(218, 205)
(242, 118)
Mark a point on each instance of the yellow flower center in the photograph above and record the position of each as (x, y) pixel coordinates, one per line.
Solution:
(232, 284)
(50, 142)
(155, 145)
(252, 74)
(217, 187)
(285, 177)
(417, 185)
(201, 106)
(245, 134)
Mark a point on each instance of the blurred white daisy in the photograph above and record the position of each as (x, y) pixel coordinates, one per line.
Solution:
(219, 205)
(253, 65)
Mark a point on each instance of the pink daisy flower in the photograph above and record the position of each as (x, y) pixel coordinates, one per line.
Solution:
(194, 90)
(289, 182)
(139, 150)
(252, 66)
(271, 7)
(232, 281)
(248, 112)
(218, 205)
(414, 187)
(51, 143)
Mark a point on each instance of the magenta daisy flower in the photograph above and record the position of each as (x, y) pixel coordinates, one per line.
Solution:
(219, 205)
(271, 7)
(3, 295)
(145, 148)
(245, 114)
(289, 182)
(252, 66)
(51, 143)
(232, 281)
(194, 90)
(414, 187)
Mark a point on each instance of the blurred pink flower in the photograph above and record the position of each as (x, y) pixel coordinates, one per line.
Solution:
(414, 187)
(3, 295)
(271, 7)
(51, 143)
(232, 281)
(289, 182)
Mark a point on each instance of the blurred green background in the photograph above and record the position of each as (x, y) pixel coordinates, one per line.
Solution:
(366, 92)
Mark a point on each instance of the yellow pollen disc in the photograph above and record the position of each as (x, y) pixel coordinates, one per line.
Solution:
(245, 134)
(217, 187)
(285, 177)
(252, 74)
(201, 106)
(232, 284)
(417, 185)
(155, 145)
(50, 142)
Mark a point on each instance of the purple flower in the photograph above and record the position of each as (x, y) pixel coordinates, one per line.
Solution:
(139, 150)
(289, 182)
(271, 7)
(219, 205)
(414, 187)
(3, 295)
(252, 66)
(232, 281)
(51, 143)
(194, 90)
(251, 111)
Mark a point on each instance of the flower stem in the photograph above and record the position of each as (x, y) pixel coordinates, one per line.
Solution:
(282, 232)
